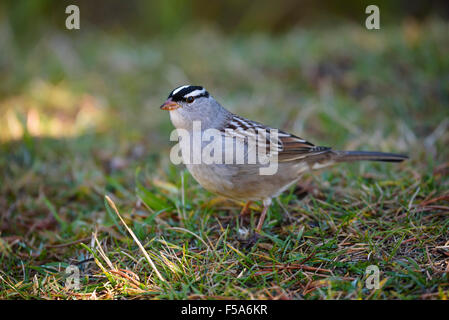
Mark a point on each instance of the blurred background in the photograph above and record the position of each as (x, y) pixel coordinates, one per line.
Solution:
(79, 109)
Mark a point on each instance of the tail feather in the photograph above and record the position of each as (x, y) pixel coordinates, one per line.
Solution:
(344, 156)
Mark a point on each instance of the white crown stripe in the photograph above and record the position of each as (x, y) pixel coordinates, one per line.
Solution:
(179, 89)
(195, 93)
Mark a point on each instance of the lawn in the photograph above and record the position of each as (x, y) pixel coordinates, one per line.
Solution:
(80, 120)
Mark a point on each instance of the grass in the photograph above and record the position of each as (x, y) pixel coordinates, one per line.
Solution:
(79, 120)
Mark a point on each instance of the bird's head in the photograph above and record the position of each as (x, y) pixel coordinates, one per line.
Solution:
(191, 103)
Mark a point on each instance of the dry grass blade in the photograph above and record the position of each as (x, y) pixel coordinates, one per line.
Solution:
(101, 251)
(112, 204)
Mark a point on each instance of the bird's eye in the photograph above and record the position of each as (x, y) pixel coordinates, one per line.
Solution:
(190, 99)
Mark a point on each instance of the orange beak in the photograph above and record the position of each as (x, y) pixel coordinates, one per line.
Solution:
(170, 105)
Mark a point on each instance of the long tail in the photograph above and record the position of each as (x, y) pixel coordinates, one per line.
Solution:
(344, 156)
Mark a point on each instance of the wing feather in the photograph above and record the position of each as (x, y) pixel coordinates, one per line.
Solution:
(286, 146)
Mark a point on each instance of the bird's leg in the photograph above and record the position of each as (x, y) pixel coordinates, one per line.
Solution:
(266, 205)
(256, 235)
(245, 209)
(261, 219)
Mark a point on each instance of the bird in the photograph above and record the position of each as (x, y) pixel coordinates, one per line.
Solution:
(193, 111)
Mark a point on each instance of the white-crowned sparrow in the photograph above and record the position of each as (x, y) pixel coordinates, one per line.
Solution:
(243, 181)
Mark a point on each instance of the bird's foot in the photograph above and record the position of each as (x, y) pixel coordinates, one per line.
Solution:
(251, 241)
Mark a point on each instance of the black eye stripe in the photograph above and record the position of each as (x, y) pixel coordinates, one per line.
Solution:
(196, 97)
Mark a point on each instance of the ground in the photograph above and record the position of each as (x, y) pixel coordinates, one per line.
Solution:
(80, 120)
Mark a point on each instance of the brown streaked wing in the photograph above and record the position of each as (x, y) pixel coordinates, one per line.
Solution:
(295, 148)
(288, 146)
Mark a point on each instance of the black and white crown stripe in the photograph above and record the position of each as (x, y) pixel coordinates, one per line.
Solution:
(183, 92)
(175, 91)
(196, 93)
